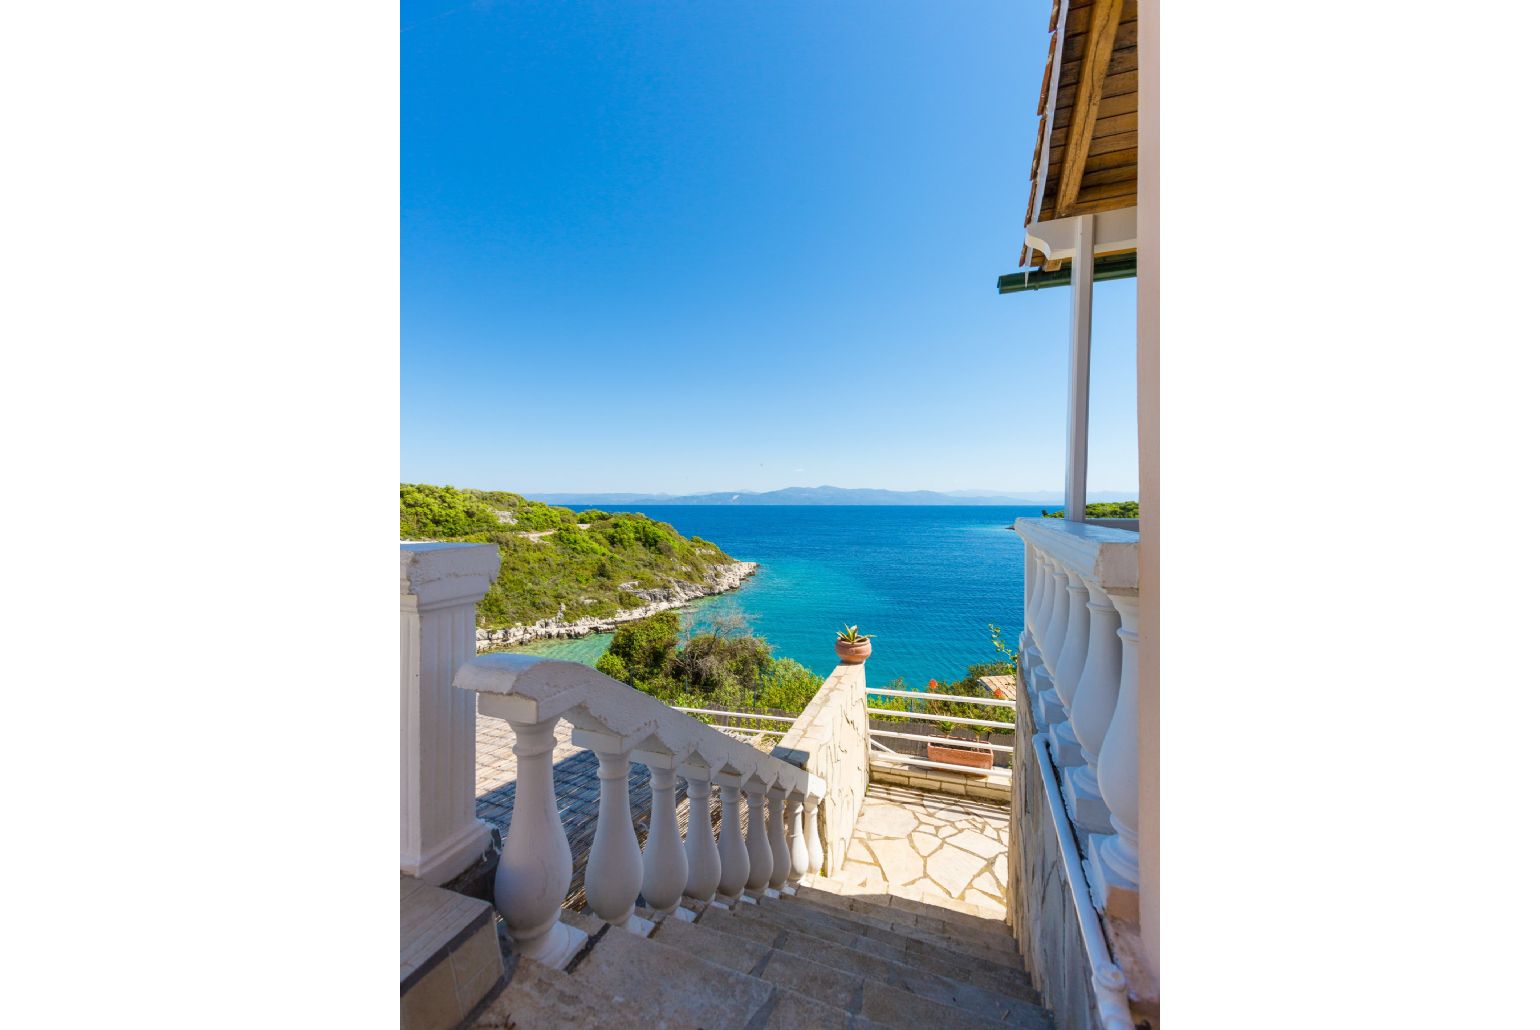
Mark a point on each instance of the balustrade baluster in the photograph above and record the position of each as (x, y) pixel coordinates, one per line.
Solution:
(1045, 702)
(1096, 696)
(780, 854)
(734, 854)
(614, 873)
(1072, 658)
(760, 857)
(705, 865)
(664, 866)
(535, 868)
(800, 858)
(1114, 861)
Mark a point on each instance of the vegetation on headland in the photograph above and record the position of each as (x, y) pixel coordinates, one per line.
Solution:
(723, 665)
(1103, 510)
(557, 561)
(968, 686)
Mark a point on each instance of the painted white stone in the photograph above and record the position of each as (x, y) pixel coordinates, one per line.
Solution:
(972, 840)
(440, 586)
(925, 843)
(953, 869)
(614, 871)
(702, 859)
(899, 862)
(887, 820)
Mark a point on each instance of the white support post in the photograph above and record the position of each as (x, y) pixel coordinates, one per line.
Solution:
(1095, 699)
(734, 854)
(1081, 275)
(440, 586)
(814, 841)
(700, 847)
(1072, 659)
(665, 869)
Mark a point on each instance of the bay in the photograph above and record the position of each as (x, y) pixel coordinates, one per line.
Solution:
(925, 581)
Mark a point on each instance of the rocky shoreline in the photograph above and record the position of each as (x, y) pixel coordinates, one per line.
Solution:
(719, 580)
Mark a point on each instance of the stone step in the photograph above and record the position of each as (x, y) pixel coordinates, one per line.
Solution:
(914, 948)
(650, 982)
(907, 926)
(844, 977)
(450, 959)
(539, 996)
(937, 918)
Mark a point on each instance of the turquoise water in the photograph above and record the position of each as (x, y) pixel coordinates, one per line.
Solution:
(926, 581)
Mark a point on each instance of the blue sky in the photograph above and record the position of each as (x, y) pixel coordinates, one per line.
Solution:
(683, 247)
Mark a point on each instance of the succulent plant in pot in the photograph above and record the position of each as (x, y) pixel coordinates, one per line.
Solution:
(853, 646)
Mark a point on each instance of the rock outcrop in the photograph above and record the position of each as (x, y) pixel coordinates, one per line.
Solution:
(677, 594)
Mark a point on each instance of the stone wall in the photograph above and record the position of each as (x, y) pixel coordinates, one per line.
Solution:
(829, 739)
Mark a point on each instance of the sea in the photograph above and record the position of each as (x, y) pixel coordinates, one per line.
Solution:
(925, 582)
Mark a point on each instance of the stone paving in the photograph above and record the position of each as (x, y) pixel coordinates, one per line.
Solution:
(938, 845)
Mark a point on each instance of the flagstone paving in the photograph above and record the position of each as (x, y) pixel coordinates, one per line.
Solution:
(933, 844)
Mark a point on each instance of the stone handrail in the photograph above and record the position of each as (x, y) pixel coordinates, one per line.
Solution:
(620, 725)
(1079, 662)
(830, 739)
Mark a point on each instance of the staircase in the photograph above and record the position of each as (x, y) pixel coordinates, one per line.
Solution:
(817, 958)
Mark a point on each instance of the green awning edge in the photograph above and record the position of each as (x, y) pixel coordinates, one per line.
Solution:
(1119, 266)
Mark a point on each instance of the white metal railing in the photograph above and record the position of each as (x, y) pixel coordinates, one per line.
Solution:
(621, 725)
(1079, 660)
(888, 757)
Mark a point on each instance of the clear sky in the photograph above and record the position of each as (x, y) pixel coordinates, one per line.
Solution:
(682, 247)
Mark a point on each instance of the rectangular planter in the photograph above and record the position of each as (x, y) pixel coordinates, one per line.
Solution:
(981, 760)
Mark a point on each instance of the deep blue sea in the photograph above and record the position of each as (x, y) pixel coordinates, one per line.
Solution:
(925, 581)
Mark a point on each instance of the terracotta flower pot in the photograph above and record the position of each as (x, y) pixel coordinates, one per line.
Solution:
(982, 760)
(852, 654)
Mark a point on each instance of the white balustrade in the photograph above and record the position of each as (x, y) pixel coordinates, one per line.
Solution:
(700, 846)
(795, 841)
(620, 724)
(440, 586)
(1090, 646)
(1096, 696)
(815, 851)
(1114, 864)
(731, 850)
(760, 857)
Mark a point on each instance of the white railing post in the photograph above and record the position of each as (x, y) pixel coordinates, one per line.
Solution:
(814, 841)
(535, 869)
(1114, 860)
(731, 850)
(440, 586)
(775, 823)
(758, 843)
(1030, 646)
(1096, 697)
(705, 864)
(1072, 658)
(665, 869)
(798, 845)
(614, 873)
(1045, 701)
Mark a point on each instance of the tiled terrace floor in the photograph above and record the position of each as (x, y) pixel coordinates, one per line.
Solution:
(938, 845)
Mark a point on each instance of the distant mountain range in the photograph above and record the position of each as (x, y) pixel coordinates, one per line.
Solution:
(826, 495)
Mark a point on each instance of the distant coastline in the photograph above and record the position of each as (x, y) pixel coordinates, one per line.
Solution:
(803, 495)
(719, 580)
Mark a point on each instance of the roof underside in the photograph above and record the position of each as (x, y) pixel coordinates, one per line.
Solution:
(1089, 116)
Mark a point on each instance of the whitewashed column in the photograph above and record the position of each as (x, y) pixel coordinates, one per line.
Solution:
(731, 850)
(758, 843)
(705, 865)
(814, 841)
(795, 841)
(614, 873)
(440, 586)
(535, 869)
(1096, 697)
(664, 865)
(775, 823)
(1072, 658)
(1114, 860)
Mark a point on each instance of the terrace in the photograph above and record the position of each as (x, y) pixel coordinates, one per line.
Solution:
(847, 865)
